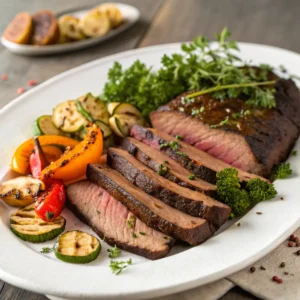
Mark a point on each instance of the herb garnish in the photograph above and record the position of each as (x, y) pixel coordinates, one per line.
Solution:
(46, 250)
(179, 137)
(215, 70)
(162, 170)
(281, 171)
(118, 266)
(142, 233)
(191, 177)
(241, 198)
(114, 252)
(130, 222)
(294, 153)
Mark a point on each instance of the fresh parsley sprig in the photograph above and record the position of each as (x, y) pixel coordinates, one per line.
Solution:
(118, 266)
(202, 66)
(114, 252)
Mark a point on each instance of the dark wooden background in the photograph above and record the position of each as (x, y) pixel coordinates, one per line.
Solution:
(272, 22)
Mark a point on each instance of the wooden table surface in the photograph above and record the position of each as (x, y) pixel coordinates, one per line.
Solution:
(271, 22)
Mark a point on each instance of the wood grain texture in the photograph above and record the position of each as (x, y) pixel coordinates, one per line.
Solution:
(272, 22)
(20, 69)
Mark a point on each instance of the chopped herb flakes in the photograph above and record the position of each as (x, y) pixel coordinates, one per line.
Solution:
(46, 250)
(118, 266)
(134, 235)
(130, 222)
(191, 177)
(179, 137)
(114, 252)
(142, 233)
(162, 170)
(294, 153)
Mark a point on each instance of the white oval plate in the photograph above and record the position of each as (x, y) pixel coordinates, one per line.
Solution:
(130, 15)
(22, 265)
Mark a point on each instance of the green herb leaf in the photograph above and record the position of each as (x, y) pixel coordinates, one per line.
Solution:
(130, 222)
(294, 153)
(118, 266)
(114, 252)
(46, 250)
(281, 171)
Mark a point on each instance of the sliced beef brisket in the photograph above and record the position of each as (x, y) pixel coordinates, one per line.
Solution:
(107, 217)
(150, 210)
(191, 202)
(251, 139)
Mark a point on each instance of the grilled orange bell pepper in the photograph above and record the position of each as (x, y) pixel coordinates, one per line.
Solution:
(49, 143)
(72, 165)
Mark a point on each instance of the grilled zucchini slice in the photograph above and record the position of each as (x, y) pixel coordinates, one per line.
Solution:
(44, 126)
(121, 124)
(92, 108)
(111, 107)
(67, 118)
(126, 109)
(77, 247)
(26, 225)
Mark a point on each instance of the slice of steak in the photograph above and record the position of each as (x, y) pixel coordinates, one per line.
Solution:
(150, 210)
(109, 218)
(251, 139)
(191, 202)
(196, 161)
(158, 161)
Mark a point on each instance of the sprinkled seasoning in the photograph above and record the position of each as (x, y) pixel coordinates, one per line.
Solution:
(252, 269)
(259, 213)
(20, 90)
(4, 77)
(282, 265)
(32, 82)
(262, 268)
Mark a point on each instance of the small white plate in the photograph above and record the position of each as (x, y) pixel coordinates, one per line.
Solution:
(130, 16)
(22, 264)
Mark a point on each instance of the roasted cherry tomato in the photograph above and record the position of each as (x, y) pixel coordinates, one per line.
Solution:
(50, 204)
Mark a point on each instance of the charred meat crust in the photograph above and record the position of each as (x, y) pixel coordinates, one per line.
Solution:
(144, 135)
(198, 205)
(133, 147)
(193, 235)
(122, 245)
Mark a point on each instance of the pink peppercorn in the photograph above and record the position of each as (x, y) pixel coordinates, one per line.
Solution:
(32, 82)
(4, 77)
(275, 278)
(20, 90)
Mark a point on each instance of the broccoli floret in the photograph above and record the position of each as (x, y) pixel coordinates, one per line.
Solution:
(260, 190)
(282, 171)
(230, 192)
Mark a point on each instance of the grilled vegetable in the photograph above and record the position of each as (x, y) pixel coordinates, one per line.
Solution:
(44, 126)
(46, 31)
(25, 224)
(95, 24)
(93, 108)
(20, 160)
(50, 204)
(111, 107)
(21, 191)
(113, 13)
(69, 28)
(126, 109)
(67, 118)
(121, 124)
(106, 131)
(77, 247)
(19, 30)
(72, 165)
(37, 159)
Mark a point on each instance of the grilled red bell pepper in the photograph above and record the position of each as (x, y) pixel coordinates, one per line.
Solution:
(50, 204)
(37, 159)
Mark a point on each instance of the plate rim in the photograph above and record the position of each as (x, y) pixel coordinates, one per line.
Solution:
(35, 50)
(160, 290)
